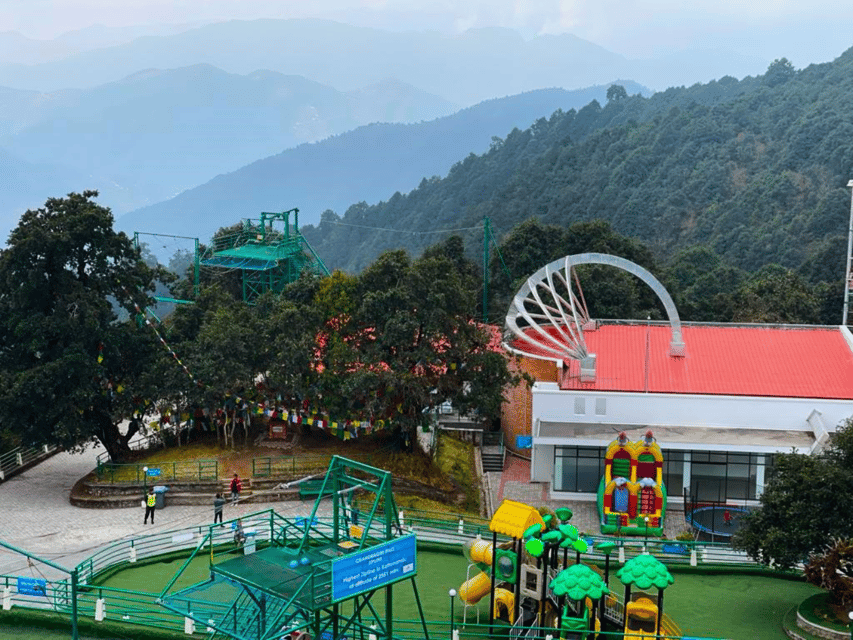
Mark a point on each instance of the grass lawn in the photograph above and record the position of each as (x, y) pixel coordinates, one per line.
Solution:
(723, 606)
(733, 606)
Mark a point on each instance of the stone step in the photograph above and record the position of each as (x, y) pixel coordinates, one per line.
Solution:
(178, 498)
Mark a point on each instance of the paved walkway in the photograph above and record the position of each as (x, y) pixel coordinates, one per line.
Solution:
(38, 517)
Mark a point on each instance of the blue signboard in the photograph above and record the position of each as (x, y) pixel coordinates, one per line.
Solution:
(32, 587)
(524, 442)
(153, 472)
(374, 567)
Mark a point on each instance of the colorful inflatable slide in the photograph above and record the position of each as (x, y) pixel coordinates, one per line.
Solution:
(632, 496)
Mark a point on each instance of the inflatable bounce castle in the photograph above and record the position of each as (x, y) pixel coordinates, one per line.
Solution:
(632, 488)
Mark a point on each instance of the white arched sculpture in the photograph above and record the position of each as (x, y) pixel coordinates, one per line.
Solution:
(549, 316)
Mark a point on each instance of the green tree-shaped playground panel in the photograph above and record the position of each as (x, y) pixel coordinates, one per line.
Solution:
(579, 582)
(644, 572)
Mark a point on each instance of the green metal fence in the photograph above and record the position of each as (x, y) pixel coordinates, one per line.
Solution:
(211, 541)
(156, 472)
(292, 467)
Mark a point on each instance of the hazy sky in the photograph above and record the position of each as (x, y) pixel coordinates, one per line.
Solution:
(804, 31)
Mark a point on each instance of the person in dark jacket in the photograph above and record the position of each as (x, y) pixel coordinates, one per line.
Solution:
(218, 503)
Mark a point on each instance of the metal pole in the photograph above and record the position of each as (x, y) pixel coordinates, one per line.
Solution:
(849, 251)
(494, 584)
(74, 633)
(486, 269)
(452, 594)
(196, 271)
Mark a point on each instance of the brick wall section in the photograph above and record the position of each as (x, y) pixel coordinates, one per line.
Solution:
(516, 414)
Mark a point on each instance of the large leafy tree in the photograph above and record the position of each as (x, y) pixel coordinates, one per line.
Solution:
(70, 369)
(405, 340)
(807, 504)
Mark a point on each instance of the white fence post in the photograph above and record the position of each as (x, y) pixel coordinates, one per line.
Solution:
(100, 610)
(693, 557)
(461, 528)
(189, 626)
(7, 598)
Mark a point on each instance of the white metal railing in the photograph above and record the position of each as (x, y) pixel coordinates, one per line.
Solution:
(12, 461)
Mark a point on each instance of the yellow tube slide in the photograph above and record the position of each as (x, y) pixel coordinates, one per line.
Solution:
(479, 551)
(474, 589)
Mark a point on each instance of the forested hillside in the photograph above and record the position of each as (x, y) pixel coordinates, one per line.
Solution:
(754, 169)
(365, 164)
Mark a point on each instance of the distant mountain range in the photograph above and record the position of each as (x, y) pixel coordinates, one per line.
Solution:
(155, 133)
(756, 170)
(365, 165)
(476, 65)
(16, 48)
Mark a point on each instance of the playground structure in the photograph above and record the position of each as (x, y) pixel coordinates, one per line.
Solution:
(632, 495)
(301, 584)
(532, 587)
(85, 591)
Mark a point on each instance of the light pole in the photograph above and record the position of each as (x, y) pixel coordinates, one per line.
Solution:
(850, 615)
(646, 537)
(452, 594)
(849, 251)
(144, 477)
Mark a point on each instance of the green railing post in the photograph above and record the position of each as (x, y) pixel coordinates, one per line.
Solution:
(74, 633)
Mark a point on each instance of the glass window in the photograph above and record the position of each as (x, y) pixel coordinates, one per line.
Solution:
(589, 474)
(578, 468)
(708, 481)
(580, 406)
(718, 476)
(600, 406)
(673, 471)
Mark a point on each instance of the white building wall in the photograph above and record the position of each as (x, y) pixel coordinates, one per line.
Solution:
(542, 465)
(550, 404)
(620, 409)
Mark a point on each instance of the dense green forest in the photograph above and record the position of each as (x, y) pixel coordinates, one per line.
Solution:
(754, 171)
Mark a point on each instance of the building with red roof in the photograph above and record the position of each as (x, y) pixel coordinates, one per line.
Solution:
(721, 399)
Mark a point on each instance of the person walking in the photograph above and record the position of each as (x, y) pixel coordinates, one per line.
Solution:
(150, 502)
(218, 503)
(239, 534)
(236, 488)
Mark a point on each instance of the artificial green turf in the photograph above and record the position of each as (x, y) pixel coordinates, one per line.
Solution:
(736, 606)
(733, 606)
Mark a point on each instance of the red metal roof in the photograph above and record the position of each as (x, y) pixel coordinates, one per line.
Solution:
(797, 362)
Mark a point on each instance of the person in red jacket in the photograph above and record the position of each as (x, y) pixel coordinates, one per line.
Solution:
(236, 488)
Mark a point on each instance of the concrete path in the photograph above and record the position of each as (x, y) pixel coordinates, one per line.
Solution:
(38, 517)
